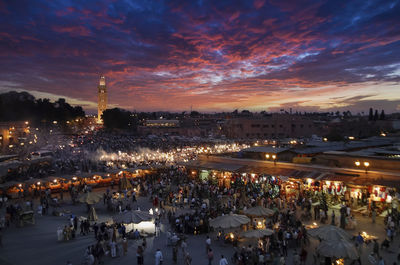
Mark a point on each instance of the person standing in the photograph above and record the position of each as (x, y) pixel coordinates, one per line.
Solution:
(139, 255)
(159, 257)
(373, 215)
(188, 259)
(113, 246)
(333, 218)
(1, 238)
(184, 247)
(175, 254)
(381, 261)
(125, 246)
(223, 261)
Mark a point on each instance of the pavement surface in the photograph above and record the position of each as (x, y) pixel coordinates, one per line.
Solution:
(37, 244)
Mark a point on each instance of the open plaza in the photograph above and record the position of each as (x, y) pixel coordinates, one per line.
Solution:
(195, 214)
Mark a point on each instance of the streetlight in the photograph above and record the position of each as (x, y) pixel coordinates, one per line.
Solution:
(274, 158)
(366, 165)
(357, 163)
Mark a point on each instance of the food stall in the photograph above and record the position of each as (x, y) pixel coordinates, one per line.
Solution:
(53, 183)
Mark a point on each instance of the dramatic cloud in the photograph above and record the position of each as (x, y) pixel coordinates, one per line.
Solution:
(212, 55)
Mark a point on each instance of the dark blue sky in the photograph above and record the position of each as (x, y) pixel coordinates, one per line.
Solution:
(213, 55)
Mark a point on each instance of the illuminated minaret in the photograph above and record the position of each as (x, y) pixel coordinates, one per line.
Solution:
(102, 105)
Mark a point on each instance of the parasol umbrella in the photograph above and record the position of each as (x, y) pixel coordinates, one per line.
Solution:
(89, 198)
(338, 249)
(259, 211)
(257, 233)
(229, 221)
(92, 215)
(329, 232)
(134, 217)
(125, 184)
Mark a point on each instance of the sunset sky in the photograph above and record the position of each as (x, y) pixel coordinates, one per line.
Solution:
(213, 55)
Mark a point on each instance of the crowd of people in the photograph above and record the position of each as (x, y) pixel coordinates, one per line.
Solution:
(183, 201)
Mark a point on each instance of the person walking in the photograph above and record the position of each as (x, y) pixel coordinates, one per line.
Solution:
(208, 244)
(223, 261)
(210, 256)
(139, 255)
(159, 257)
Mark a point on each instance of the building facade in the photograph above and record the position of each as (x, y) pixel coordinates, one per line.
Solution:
(270, 127)
(102, 95)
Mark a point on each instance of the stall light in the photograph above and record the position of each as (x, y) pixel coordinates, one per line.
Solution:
(22, 144)
(328, 183)
(224, 177)
(232, 236)
(351, 138)
(273, 156)
(366, 164)
(27, 122)
(54, 122)
(267, 156)
(151, 211)
(20, 185)
(55, 181)
(383, 134)
(309, 181)
(11, 146)
(243, 174)
(74, 178)
(253, 175)
(357, 163)
(38, 183)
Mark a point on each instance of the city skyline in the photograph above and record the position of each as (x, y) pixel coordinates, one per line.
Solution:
(214, 56)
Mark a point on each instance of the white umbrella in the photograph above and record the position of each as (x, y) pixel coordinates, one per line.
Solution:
(92, 214)
(257, 233)
(134, 217)
(229, 221)
(259, 211)
(89, 198)
(329, 232)
(338, 249)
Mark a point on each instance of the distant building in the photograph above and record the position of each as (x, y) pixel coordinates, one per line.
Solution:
(271, 127)
(13, 134)
(102, 94)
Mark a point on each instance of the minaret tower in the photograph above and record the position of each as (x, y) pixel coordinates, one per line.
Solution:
(102, 104)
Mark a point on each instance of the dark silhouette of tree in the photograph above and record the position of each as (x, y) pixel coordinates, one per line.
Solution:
(371, 114)
(119, 119)
(382, 117)
(18, 106)
(194, 114)
(376, 115)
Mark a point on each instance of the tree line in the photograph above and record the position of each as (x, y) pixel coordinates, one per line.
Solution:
(22, 106)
